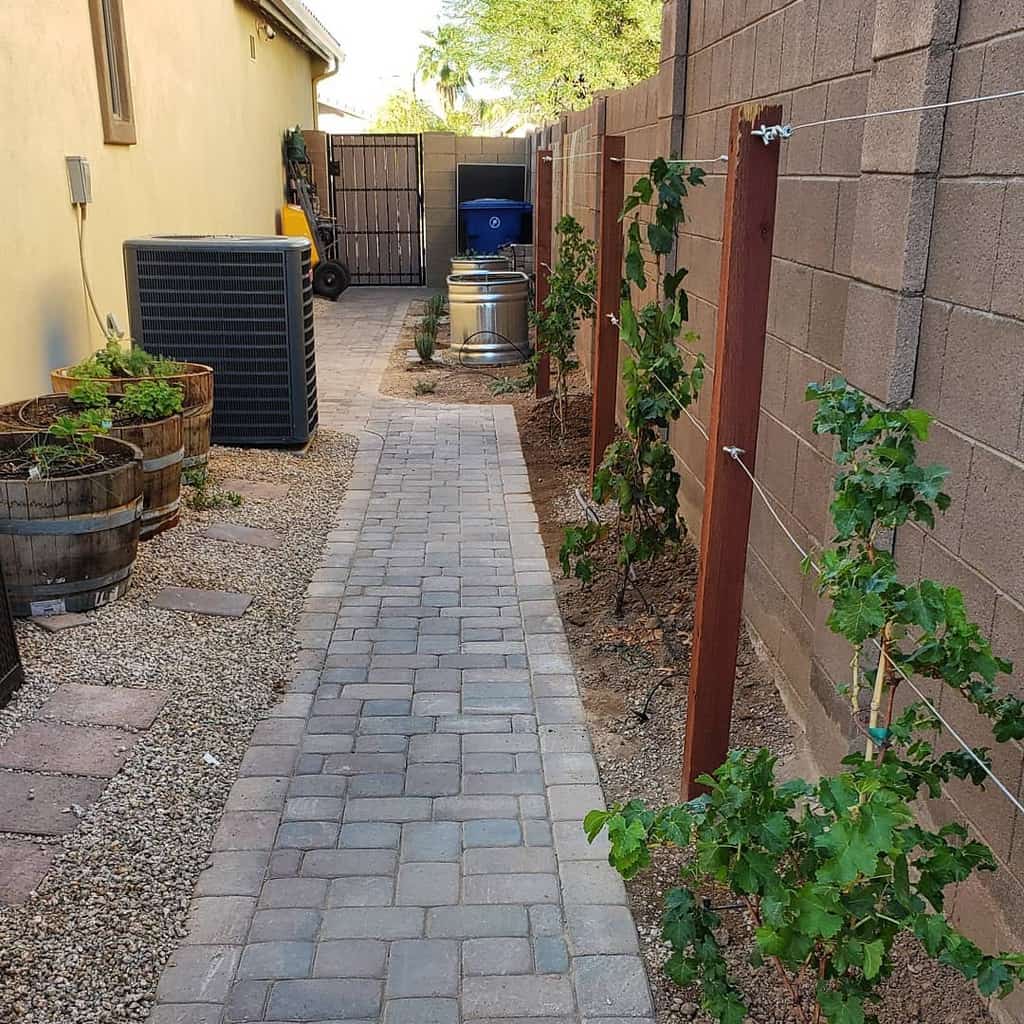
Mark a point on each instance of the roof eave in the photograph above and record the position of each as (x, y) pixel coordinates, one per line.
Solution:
(295, 18)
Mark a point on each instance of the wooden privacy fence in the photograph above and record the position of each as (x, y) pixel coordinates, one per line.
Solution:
(377, 203)
(748, 231)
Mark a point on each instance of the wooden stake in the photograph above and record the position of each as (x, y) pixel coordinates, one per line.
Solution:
(748, 229)
(542, 256)
(605, 361)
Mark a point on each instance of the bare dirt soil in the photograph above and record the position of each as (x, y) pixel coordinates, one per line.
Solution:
(633, 673)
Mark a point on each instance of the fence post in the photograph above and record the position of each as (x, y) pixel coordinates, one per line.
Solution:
(542, 257)
(609, 289)
(748, 228)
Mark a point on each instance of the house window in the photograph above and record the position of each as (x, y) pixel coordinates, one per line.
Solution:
(115, 87)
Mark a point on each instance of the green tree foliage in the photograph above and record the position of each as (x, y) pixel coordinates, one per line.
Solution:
(444, 61)
(572, 284)
(638, 472)
(404, 112)
(556, 56)
(832, 873)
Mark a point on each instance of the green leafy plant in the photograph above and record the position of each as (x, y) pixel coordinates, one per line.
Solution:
(69, 441)
(831, 874)
(429, 325)
(425, 343)
(424, 387)
(114, 360)
(570, 299)
(510, 385)
(204, 493)
(910, 628)
(150, 400)
(90, 394)
(638, 472)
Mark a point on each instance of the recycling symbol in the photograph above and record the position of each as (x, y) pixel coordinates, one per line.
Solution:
(495, 223)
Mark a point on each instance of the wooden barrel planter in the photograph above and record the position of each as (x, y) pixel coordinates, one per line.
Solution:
(197, 382)
(68, 542)
(162, 457)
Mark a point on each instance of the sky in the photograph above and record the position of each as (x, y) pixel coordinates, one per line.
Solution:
(380, 39)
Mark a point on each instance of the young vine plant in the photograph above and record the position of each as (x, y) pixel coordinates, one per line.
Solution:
(572, 284)
(638, 471)
(830, 874)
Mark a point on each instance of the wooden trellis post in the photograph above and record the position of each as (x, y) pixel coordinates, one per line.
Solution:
(609, 284)
(542, 256)
(748, 229)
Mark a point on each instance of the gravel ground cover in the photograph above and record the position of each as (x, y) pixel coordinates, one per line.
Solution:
(88, 946)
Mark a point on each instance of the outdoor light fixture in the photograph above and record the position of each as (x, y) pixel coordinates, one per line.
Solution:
(268, 30)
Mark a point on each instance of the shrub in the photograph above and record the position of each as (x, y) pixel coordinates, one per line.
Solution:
(424, 387)
(638, 472)
(114, 360)
(572, 285)
(150, 400)
(831, 874)
(90, 394)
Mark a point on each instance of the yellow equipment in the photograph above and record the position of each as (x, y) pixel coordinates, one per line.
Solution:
(295, 225)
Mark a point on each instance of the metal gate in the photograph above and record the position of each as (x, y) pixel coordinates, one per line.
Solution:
(378, 206)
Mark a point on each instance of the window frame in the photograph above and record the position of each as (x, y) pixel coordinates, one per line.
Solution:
(110, 46)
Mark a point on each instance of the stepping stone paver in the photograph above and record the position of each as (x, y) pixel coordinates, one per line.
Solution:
(41, 804)
(67, 749)
(125, 706)
(203, 602)
(58, 623)
(23, 866)
(249, 535)
(416, 799)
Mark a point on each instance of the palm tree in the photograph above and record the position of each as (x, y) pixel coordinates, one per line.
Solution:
(444, 61)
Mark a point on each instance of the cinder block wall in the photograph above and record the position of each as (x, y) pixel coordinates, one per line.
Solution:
(899, 262)
(442, 153)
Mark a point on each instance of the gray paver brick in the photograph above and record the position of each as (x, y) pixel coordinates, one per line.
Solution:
(551, 955)
(421, 1011)
(518, 888)
(370, 836)
(350, 958)
(612, 985)
(338, 863)
(373, 923)
(516, 995)
(490, 957)
(276, 959)
(271, 925)
(428, 884)
(469, 922)
(492, 832)
(434, 841)
(322, 999)
(423, 967)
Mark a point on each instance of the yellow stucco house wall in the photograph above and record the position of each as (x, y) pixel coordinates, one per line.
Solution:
(212, 90)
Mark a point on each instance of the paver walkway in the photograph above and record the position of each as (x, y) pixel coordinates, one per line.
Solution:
(405, 844)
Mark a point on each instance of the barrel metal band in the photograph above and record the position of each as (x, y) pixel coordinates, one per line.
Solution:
(110, 520)
(44, 590)
(149, 514)
(162, 461)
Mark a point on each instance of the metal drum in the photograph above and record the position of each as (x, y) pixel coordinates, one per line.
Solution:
(467, 264)
(488, 318)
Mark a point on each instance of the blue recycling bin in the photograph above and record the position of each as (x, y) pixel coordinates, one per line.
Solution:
(492, 223)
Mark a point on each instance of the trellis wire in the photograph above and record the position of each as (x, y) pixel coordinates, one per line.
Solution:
(771, 132)
(637, 159)
(735, 453)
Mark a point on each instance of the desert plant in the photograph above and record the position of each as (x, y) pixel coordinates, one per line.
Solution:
(510, 385)
(435, 306)
(90, 394)
(424, 387)
(638, 472)
(831, 874)
(425, 343)
(429, 324)
(570, 299)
